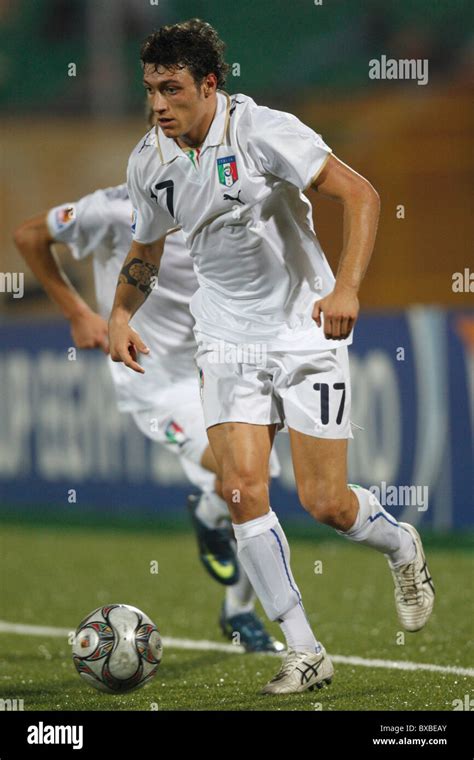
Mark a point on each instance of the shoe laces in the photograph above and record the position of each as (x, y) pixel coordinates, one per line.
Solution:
(409, 585)
(288, 665)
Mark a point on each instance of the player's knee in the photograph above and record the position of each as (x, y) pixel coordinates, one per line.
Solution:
(243, 486)
(327, 505)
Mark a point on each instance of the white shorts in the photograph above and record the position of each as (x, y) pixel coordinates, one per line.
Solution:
(308, 391)
(177, 422)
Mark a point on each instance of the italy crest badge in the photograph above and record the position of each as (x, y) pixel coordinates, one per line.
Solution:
(227, 168)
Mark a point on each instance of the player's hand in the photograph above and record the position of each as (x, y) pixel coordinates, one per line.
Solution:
(89, 330)
(125, 344)
(340, 309)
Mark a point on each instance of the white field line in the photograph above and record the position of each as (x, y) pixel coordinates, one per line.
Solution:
(215, 646)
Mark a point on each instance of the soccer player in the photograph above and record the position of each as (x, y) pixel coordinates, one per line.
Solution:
(164, 402)
(263, 280)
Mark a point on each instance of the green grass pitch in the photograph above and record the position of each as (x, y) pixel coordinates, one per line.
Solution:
(54, 576)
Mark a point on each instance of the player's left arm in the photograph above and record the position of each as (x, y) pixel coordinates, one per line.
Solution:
(361, 202)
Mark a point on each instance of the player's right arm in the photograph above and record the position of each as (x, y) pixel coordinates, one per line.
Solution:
(34, 240)
(135, 283)
(139, 274)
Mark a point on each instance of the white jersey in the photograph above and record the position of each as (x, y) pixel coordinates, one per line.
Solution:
(245, 220)
(101, 224)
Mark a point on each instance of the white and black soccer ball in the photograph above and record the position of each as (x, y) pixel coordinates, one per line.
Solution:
(117, 648)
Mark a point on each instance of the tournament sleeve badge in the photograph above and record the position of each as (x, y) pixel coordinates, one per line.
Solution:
(227, 170)
(64, 216)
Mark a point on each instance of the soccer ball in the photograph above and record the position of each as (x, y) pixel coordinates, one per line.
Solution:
(117, 648)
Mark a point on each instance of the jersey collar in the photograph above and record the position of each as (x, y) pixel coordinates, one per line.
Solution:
(168, 149)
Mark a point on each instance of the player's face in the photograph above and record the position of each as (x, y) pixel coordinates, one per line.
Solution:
(179, 105)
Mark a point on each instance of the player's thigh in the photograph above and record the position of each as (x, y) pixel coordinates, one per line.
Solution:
(242, 450)
(241, 415)
(320, 466)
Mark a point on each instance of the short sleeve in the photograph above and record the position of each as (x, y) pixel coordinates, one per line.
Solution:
(82, 225)
(150, 220)
(281, 145)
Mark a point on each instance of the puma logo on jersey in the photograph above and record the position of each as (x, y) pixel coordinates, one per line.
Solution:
(228, 197)
(234, 106)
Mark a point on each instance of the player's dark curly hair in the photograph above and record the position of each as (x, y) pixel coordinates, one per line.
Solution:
(192, 43)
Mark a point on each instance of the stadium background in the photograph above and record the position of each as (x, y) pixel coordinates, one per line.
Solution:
(64, 136)
(87, 505)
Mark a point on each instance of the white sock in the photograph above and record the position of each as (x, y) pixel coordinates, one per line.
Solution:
(376, 527)
(239, 598)
(295, 630)
(212, 510)
(265, 555)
